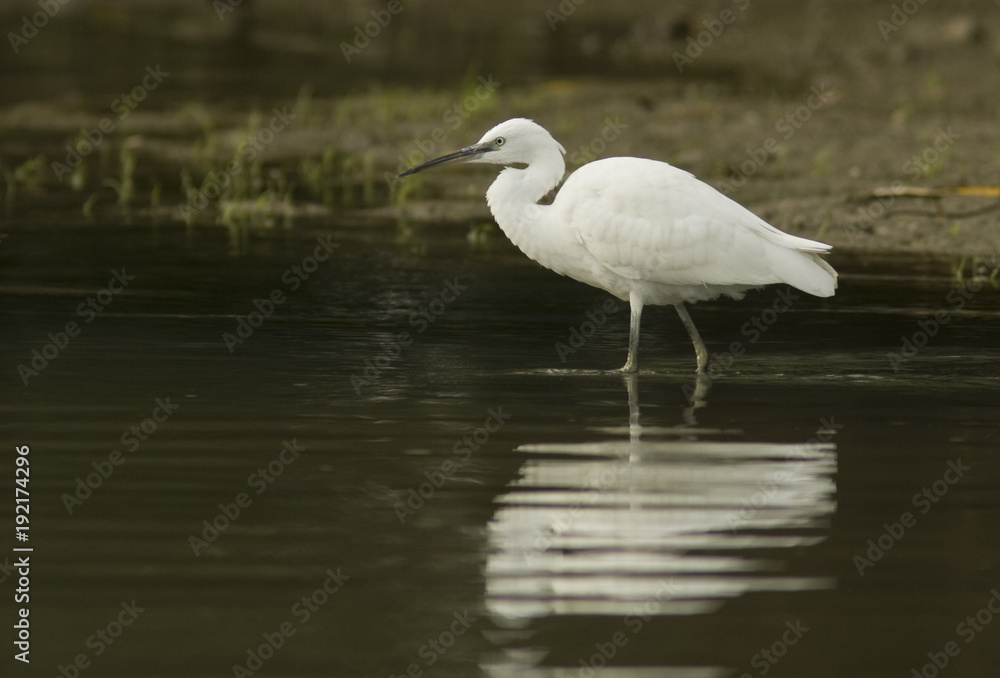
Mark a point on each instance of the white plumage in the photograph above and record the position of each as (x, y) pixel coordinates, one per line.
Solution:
(643, 230)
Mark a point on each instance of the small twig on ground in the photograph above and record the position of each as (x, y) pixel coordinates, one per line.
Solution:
(939, 193)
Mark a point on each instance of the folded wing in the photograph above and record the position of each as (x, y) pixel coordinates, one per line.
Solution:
(647, 220)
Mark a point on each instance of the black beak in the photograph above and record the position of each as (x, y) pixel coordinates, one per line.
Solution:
(468, 153)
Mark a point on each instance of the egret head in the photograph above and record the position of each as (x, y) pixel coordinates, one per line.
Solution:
(518, 141)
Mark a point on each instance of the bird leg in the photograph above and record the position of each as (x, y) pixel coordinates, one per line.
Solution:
(699, 346)
(698, 397)
(635, 304)
(632, 386)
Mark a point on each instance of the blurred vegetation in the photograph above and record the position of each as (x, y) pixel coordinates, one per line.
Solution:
(365, 100)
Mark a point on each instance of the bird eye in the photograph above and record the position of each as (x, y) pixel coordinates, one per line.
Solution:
(500, 141)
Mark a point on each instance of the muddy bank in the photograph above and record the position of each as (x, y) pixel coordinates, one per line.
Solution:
(801, 113)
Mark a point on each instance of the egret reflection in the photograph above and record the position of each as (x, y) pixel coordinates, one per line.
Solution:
(668, 516)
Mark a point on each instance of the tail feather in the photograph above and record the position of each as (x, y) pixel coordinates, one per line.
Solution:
(806, 271)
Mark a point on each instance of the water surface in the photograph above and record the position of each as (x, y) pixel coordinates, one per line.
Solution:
(473, 504)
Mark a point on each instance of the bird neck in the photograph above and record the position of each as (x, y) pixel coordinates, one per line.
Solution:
(513, 197)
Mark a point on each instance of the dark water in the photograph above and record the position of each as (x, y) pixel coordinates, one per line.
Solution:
(562, 525)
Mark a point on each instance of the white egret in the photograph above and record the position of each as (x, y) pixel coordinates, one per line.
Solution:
(643, 230)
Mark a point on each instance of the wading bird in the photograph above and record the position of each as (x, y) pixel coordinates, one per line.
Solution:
(643, 230)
